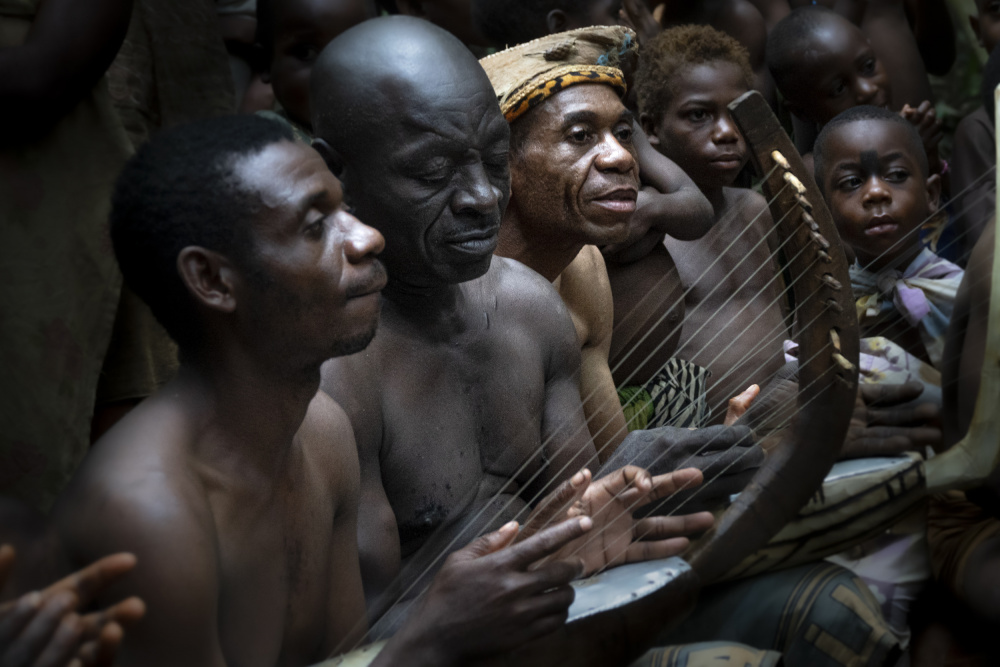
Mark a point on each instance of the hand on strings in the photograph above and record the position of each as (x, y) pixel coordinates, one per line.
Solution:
(617, 537)
(44, 628)
(738, 405)
(930, 128)
(888, 421)
(636, 15)
(775, 406)
(726, 456)
(493, 596)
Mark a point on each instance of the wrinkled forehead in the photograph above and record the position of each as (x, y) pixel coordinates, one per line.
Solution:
(460, 108)
(284, 175)
(594, 103)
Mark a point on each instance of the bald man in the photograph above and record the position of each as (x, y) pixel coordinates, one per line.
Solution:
(466, 406)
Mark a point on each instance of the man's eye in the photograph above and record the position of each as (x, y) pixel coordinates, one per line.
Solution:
(316, 229)
(868, 67)
(624, 134)
(579, 136)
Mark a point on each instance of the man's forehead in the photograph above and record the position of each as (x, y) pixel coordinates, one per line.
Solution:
(597, 100)
(284, 174)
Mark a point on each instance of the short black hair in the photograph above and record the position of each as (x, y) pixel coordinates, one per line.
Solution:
(180, 189)
(265, 29)
(789, 38)
(990, 81)
(508, 22)
(863, 113)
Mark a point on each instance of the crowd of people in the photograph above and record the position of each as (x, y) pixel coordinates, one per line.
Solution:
(366, 327)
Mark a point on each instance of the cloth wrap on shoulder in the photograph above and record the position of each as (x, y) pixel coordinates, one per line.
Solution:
(526, 75)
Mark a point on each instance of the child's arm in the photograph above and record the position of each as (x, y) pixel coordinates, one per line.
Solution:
(929, 126)
(677, 207)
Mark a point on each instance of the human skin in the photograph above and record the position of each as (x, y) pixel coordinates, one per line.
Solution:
(466, 406)
(66, 51)
(733, 322)
(986, 23)
(879, 197)
(301, 29)
(231, 478)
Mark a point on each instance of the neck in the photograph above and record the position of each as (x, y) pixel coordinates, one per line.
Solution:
(546, 255)
(250, 410)
(432, 311)
(899, 261)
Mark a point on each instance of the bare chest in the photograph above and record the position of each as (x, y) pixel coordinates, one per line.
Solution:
(275, 580)
(457, 419)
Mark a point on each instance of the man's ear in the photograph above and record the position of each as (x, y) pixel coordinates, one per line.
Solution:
(556, 21)
(332, 158)
(209, 276)
(648, 124)
(934, 192)
(410, 7)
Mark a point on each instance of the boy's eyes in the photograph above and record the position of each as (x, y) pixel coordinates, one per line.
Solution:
(697, 115)
(304, 52)
(868, 67)
(897, 175)
(849, 182)
(838, 88)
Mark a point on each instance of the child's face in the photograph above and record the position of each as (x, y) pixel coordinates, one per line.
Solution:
(986, 23)
(837, 72)
(695, 130)
(302, 28)
(876, 192)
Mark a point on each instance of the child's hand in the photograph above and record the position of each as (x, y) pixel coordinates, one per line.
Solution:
(930, 129)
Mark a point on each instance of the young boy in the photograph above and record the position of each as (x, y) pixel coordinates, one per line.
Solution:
(874, 174)
(292, 34)
(823, 64)
(733, 323)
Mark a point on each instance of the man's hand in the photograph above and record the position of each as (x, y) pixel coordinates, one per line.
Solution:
(44, 628)
(636, 15)
(930, 128)
(738, 405)
(727, 457)
(493, 596)
(887, 422)
(616, 537)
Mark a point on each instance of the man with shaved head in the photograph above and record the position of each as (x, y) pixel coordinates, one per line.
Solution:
(466, 406)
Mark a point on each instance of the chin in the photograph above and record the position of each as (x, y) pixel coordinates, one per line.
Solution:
(356, 342)
(462, 273)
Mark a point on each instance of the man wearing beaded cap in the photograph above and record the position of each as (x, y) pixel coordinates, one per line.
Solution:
(571, 134)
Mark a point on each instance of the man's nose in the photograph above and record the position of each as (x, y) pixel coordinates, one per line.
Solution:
(476, 192)
(360, 240)
(613, 156)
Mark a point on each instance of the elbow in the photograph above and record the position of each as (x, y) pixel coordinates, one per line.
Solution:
(699, 219)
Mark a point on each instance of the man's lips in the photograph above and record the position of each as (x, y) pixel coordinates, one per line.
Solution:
(881, 225)
(372, 284)
(620, 200)
(479, 242)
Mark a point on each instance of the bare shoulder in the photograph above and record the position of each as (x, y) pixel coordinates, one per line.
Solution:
(327, 439)
(137, 493)
(532, 302)
(585, 288)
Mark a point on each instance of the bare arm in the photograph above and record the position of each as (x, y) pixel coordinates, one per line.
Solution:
(585, 290)
(68, 49)
(178, 576)
(889, 31)
(680, 209)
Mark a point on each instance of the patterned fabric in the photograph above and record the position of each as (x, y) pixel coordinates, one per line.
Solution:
(526, 75)
(59, 284)
(924, 294)
(676, 396)
(819, 615)
(561, 78)
(709, 654)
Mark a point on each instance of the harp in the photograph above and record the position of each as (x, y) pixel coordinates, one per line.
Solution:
(618, 614)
